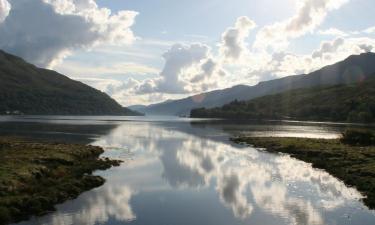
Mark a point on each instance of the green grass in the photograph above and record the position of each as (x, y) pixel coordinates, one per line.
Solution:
(355, 165)
(36, 176)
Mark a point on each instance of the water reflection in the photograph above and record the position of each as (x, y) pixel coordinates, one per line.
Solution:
(72, 133)
(177, 173)
(95, 207)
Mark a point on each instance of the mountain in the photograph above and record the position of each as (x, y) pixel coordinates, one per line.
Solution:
(27, 89)
(137, 107)
(353, 103)
(352, 69)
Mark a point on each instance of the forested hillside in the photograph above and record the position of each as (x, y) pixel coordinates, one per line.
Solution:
(352, 103)
(26, 89)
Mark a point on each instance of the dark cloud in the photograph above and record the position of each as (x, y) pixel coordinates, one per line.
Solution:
(328, 47)
(233, 39)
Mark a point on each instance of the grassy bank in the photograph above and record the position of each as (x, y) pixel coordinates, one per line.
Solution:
(354, 165)
(36, 176)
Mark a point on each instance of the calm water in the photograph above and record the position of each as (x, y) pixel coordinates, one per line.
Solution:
(180, 171)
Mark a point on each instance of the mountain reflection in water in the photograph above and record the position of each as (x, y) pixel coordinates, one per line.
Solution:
(182, 173)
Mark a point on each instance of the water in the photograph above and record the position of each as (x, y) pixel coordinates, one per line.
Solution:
(181, 171)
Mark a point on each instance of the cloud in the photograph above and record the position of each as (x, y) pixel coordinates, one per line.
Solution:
(208, 68)
(310, 14)
(339, 49)
(177, 59)
(97, 207)
(333, 32)
(233, 43)
(366, 47)
(125, 92)
(74, 68)
(328, 47)
(4, 9)
(45, 31)
(286, 63)
(337, 32)
(231, 189)
(370, 30)
(185, 68)
(109, 86)
(188, 69)
(193, 68)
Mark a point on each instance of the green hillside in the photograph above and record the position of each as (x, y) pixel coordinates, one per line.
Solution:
(26, 89)
(352, 103)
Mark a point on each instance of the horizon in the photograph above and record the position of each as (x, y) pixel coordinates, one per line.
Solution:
(140, 54)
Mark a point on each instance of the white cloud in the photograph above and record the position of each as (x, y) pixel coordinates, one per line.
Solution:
(184, 66)
(339, 49)
(310, 14)
(98, 207)
(45, 31)
(333, 32)
(74, 68)
(233, 44)
(370, 30)
(188, 69)
(4, 9)
(178, 59)
(109, 86)
(286, 63)
(125, 92)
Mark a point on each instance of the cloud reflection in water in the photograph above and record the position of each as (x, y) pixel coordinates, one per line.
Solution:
(247, 182)
(243, 178)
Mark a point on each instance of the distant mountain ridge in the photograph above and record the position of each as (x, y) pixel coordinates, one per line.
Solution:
(344, 103)
(27, 89)
(352, 69)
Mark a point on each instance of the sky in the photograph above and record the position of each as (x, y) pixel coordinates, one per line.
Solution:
(149, 51)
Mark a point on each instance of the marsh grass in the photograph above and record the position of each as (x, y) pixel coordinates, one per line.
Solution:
(358, 137)
(36, 176)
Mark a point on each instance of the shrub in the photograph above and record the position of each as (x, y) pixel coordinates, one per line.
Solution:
(5, 216)
(358, 137)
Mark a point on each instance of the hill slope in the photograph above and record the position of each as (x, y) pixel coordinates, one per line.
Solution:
(31, 90)
(354, 68)
(353, 103)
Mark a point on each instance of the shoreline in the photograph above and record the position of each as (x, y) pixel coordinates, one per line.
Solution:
(36, 176)
(354, 165)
